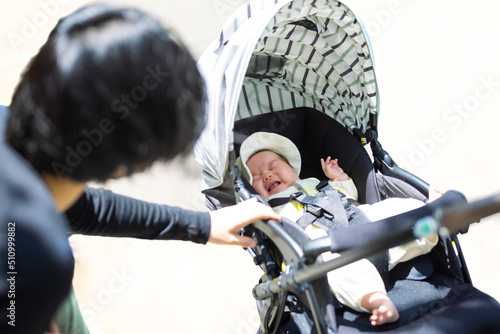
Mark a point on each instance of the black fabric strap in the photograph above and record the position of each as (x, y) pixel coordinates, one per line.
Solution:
(326, 207)
(331, 210)
(278, 201)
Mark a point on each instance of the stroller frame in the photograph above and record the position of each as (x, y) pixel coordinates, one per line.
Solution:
(234, 74)
(304, 276)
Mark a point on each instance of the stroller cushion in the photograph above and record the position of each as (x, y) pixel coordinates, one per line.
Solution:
(438, 304)
(418, 269)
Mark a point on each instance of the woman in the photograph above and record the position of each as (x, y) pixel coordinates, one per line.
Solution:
(108, 94)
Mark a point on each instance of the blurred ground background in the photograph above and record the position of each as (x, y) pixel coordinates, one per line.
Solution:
(439, 77)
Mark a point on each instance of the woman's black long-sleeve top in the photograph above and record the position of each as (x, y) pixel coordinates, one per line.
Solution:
(101, 212)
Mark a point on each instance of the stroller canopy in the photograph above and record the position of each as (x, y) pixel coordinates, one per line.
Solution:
(278, 55)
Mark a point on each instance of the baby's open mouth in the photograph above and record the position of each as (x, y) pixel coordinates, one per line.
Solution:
(273, 186)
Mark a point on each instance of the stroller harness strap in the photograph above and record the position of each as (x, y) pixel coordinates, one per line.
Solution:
(329, 209)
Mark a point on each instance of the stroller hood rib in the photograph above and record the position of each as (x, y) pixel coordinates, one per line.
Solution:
(274, 56)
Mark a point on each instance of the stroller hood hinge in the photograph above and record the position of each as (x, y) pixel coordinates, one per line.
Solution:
(371, 130)
(364, 138)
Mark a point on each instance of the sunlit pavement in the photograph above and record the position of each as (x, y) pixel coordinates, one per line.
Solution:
(439, 82)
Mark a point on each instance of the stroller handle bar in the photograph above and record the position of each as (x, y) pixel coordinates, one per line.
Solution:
(451, 219)
(457, 218)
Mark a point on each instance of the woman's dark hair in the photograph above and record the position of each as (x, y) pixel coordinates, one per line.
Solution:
(110, 89)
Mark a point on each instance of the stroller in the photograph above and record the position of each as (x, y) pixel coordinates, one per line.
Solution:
(304, 69)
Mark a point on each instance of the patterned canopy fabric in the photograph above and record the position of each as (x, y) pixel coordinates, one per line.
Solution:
(277, 55)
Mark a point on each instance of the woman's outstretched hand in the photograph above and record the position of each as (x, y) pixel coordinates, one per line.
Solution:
(227, 222)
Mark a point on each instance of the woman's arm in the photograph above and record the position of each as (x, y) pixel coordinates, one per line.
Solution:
(103, 213)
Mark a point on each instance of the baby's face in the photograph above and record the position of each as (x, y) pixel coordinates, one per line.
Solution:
(270, 173)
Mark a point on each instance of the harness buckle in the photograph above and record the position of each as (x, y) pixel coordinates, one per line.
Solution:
(314, 210)
(328, 215)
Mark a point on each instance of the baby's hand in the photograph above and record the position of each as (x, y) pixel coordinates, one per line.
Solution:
(332, 170)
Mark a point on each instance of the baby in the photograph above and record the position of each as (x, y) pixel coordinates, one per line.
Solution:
(271, 163)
